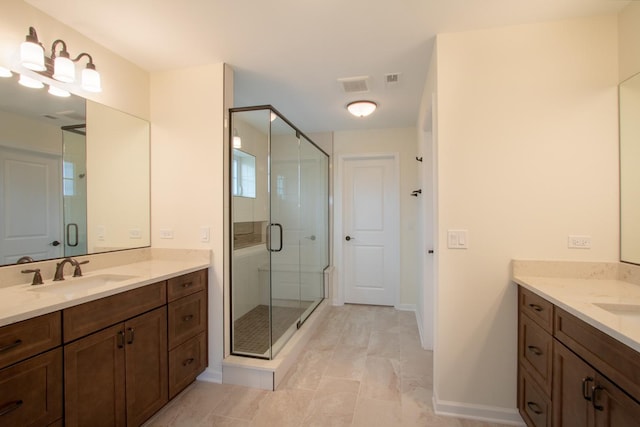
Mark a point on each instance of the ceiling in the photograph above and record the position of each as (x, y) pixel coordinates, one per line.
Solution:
(290, 53)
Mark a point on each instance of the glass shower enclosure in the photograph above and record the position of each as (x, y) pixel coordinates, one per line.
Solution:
(279, 186)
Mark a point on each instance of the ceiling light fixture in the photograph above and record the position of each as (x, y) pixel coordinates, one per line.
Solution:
(362, 108)
(59, 66)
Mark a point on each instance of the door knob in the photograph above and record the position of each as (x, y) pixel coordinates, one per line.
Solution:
(349, 238)
(55, 243)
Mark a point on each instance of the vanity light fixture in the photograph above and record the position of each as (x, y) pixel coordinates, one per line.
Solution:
(237, 142)
(29, 82)
(362, 108)
(5, 72)
(56, 91)
(59, 66)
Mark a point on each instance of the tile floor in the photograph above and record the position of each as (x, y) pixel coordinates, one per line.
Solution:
(364, 366)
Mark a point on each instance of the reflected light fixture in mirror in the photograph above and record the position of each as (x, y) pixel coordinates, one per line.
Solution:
(237, 142)
(362, 108)
(59, 66)
(5, 72)
(29, 82)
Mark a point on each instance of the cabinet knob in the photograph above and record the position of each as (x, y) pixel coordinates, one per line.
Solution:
(187, 317)
(188, 361)
(535, 350)
(186, 284)
(535, 307)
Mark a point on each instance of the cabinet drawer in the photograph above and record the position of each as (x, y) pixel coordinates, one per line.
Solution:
(536, 307)
(92, 316)
(31, 391)
(534, 406)
(186, 284)
(187, 318)
(186, 362)
(535, 352)
(618, 362)
(30, 337)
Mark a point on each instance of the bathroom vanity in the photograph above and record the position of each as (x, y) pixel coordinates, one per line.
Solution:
(578, 350)
(112, 359)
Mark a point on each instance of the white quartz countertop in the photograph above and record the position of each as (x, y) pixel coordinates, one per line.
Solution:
(21, 302)
(612, 306)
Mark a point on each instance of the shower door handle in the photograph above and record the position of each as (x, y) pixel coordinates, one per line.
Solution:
(269, 237)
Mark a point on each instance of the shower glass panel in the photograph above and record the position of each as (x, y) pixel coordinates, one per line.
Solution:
(74, 189)
(280, 230)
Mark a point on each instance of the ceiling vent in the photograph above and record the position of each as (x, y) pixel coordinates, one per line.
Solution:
(392, 79)
(354, 84)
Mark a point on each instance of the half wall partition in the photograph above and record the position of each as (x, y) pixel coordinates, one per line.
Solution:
(279, 183)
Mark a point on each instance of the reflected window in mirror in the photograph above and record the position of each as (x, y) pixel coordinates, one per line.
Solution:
(243, 174)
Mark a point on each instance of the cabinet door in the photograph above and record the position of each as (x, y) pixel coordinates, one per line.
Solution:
(612, 407)
(94, 380)
(31, 391)
(572, 382)
(146, 365)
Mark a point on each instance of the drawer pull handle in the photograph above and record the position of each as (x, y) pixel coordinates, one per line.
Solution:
(188, 362)
(585, 388)
(535, 350)
(535, 307)
(187, 317)
(10, 346)
(594, 398)
(187, 284)
(10, 407)
(131, 336)
(535, 408)
(120, 339)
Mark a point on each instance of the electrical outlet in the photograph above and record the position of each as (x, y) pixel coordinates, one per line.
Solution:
(580, 242)
(166, 233)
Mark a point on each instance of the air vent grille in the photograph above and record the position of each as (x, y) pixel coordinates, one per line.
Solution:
(392, 79)
(354, 84)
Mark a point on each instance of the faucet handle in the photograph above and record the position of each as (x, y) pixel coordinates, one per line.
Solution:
(77, 272)
(37, 277)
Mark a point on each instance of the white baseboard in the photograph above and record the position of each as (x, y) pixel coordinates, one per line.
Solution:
(211, 375)
(405, 307)
(478, 412)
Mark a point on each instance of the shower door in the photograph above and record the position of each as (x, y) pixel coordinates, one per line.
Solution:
(279, 245)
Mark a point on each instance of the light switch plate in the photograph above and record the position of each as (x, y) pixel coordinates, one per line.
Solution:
(166, 233)
(457, 239)
(205, 234)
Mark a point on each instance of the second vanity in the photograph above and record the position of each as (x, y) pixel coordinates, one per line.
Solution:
(111, 348)
(578, 344)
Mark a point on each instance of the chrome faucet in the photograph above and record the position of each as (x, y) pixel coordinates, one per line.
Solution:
(59, 274)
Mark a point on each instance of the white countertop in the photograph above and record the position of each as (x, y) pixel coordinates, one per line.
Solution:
(580, 296)
(21, 302)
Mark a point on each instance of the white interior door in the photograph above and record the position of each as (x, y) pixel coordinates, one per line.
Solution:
(370, 224)
(30, 203)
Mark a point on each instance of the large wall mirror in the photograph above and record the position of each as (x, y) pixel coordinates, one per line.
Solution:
(630, 170)
(74, 176)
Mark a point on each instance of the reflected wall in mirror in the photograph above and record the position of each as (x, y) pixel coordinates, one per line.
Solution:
(74, 176)
(630, 170)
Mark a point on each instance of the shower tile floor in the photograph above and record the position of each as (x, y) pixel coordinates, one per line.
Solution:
(251, 331)
(364, 366)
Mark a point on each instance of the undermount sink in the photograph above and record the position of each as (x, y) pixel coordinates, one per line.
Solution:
(81, 285)
(626, 311)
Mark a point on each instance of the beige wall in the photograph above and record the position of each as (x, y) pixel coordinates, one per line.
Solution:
(125, 86)
(187, 160)
(402, 141)
(527, 154)
(629, 40)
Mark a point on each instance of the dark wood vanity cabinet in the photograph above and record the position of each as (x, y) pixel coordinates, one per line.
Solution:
(187, 296)
(31, 372)
(569, 373)
(114, 361)
(118, 376)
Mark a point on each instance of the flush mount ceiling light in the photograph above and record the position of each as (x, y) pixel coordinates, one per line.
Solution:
(362, 108)
(59, 66)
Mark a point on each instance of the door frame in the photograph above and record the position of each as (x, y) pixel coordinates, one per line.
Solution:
(337, 291)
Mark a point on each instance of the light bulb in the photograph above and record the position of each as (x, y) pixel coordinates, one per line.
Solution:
(32, 56)
(64, 70)
(91, 79)
(29, 82)
(56, 91)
